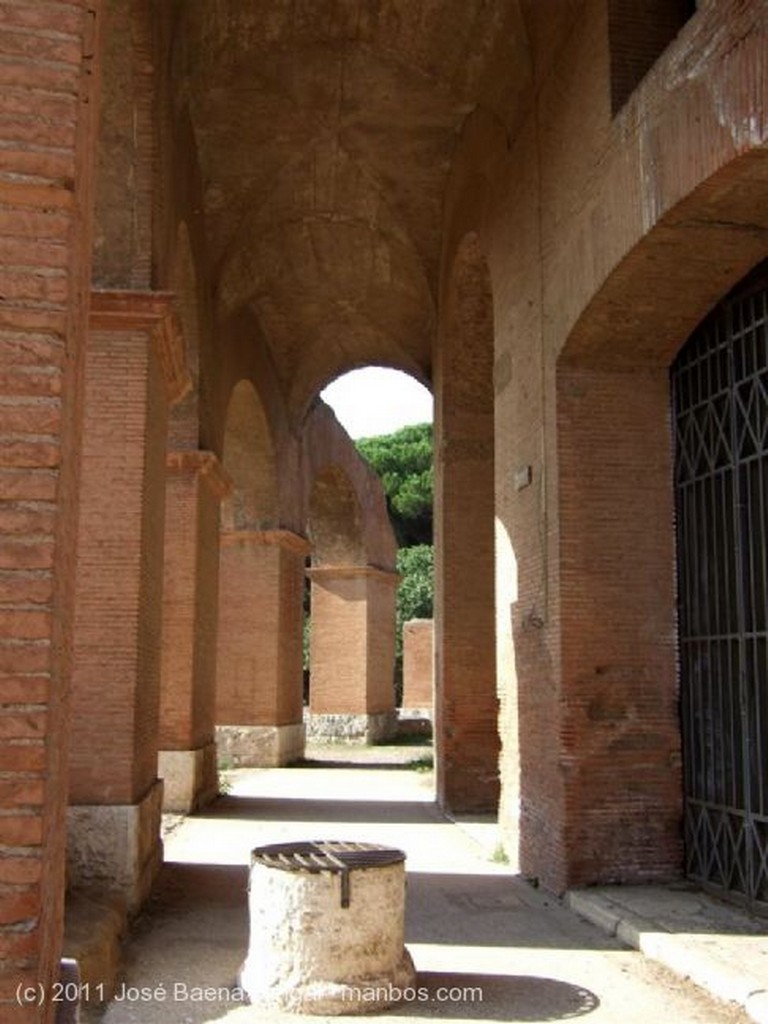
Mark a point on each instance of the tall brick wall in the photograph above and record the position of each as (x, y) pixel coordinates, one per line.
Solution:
(338, 644)
(352, 644)
(380, 626)
(119, 573)
(290, 695)
(608, 235)
(179, 605)
(210, 495)
(418, 664)
(122, 256)
(620, 735)
(259, 680)
(195, 486)
(48, 95)
(466, 704)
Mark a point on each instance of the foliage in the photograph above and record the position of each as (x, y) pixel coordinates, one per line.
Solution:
(422, 764)
(403, 463)
(415, 593)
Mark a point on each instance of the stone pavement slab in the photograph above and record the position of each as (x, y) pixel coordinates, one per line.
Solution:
(700, 938)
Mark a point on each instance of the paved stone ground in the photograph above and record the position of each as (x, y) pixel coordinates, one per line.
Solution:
(507, 951)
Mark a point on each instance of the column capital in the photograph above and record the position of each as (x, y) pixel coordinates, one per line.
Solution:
(154, 313)
(285, 539)
(337, 572)
(205, 463)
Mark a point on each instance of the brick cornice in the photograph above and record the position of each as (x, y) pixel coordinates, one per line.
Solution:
(207, 465)
(286, 539)
(154, 313)
(338, 572)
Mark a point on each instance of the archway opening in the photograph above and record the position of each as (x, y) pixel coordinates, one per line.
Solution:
(375, 400)
(382, 540)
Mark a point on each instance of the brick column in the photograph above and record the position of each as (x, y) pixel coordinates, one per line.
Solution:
(195, 485)
(618, 758)
(133, 368)
(48, 100)
(418, 665)
(352, 653)
(259, 701)
(466, 701)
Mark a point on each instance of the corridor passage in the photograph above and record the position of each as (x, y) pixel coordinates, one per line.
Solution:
(488, 945)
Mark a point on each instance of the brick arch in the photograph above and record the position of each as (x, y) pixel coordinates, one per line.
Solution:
(249, 459)
(335, 520)
(466, 705)
(619, 731)
(344, 505)
(676, 273)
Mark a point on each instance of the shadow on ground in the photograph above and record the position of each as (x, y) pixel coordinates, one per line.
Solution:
(495, 997)
(247, 808)
(385, 766)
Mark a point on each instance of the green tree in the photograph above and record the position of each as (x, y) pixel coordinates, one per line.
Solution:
(415, 593)
(403, 463)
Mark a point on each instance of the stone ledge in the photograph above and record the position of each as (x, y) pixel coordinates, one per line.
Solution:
(260, 746)
(190, 778)
(116, 848)
(697, 937)
(363, 729)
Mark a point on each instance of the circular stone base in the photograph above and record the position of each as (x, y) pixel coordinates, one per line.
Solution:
(332, 998)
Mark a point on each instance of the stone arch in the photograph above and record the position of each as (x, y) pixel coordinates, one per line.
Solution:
(616, 558)
(466, 710)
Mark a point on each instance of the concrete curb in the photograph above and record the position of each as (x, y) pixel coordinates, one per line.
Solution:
(692, 957)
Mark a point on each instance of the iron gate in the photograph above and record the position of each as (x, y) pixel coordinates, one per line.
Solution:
(720, 409)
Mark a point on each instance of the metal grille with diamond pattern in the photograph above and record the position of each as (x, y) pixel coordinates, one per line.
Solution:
(720, 408)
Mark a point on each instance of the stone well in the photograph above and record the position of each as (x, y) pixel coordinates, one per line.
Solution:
(327, 926)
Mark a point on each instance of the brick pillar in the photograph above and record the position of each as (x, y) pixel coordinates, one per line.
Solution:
(132, 369)
(259, 699)
(195, 485)
(418, 665)
(618, 759)
(466, 700)
(352, 653)
(48, 100)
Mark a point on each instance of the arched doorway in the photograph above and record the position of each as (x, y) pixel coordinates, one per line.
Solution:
(720, 411)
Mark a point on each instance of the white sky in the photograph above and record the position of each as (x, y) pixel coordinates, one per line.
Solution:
(378, 401)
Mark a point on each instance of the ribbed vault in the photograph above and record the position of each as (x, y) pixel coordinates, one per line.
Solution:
(326, 130)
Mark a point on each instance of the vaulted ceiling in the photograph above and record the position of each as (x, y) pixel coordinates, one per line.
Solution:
(326, 130)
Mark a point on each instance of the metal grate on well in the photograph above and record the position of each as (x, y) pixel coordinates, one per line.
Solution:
(335, 856)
